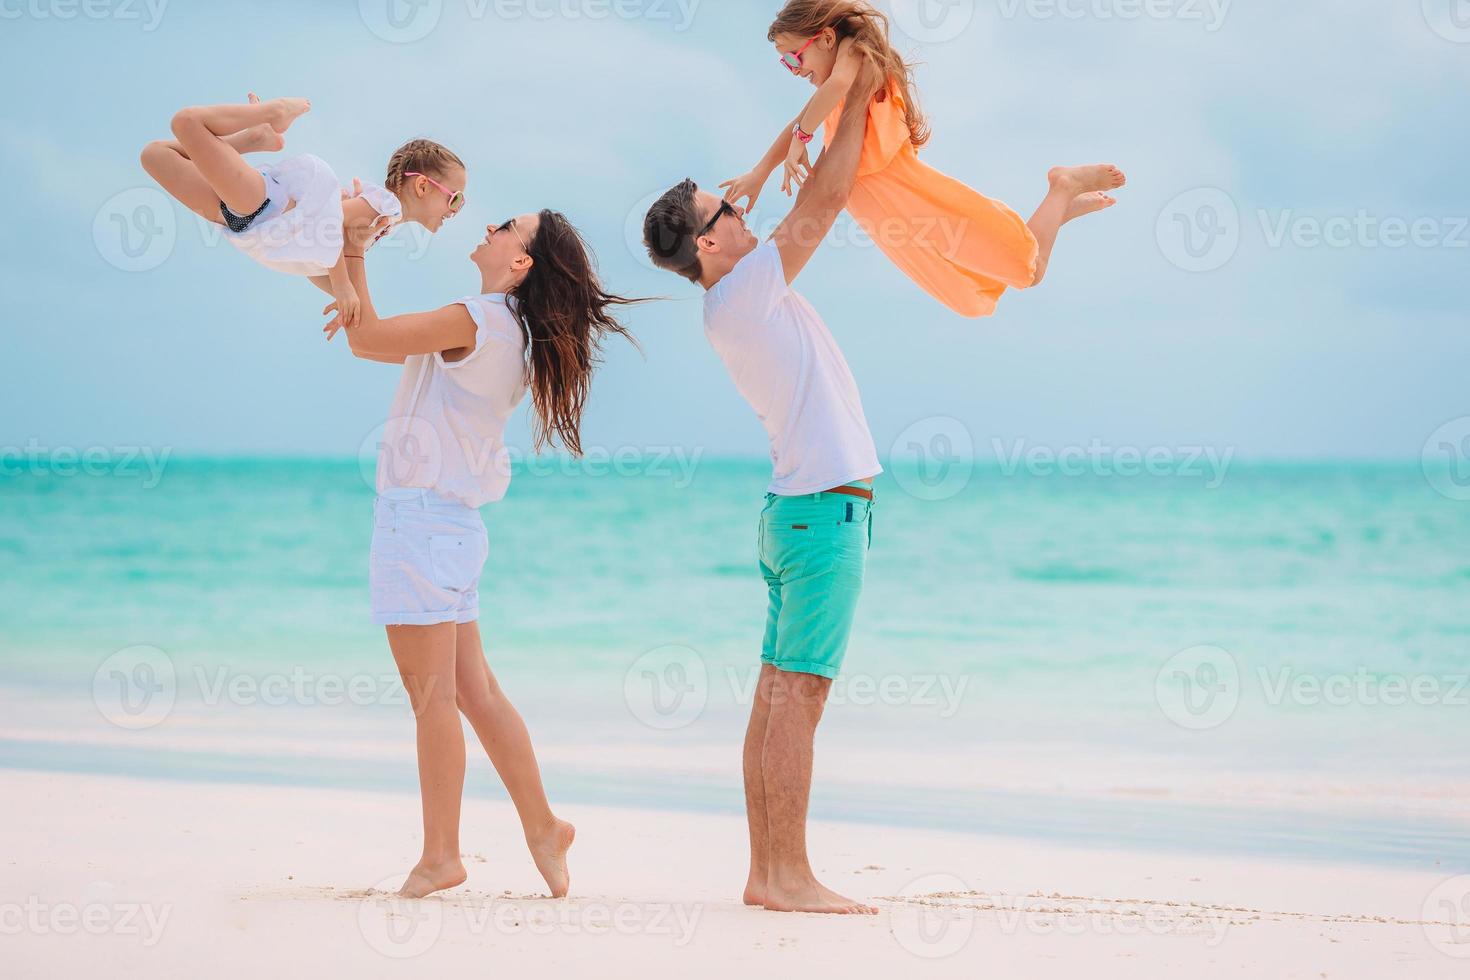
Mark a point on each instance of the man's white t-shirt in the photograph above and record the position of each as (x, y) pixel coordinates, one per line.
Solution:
(446, 430)
(785, 363)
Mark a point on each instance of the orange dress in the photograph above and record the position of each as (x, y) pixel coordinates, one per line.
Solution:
(959, 246)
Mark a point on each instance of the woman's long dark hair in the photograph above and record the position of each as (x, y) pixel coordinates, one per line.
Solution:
(563, 311)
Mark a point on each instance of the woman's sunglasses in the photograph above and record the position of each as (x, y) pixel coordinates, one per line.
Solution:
(792, 59)
(456, 198)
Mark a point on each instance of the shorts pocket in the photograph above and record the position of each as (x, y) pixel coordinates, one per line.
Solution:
(457, 560)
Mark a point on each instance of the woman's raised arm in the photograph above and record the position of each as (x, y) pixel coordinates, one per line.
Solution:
(449, 330)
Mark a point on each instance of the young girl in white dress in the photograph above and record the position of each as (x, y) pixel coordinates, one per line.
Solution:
(290, 216)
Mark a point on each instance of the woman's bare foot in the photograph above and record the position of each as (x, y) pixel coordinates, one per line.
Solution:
(549, 850)
(286, 111)
(1082, 180)
(1088, 203)
(812, 896)
(426, 879)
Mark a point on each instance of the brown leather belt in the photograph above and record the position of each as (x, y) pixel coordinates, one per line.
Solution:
(863, 492)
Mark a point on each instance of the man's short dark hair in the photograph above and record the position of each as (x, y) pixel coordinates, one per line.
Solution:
(668, 231)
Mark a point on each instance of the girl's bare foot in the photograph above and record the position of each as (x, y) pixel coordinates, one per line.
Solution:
(426, 879)
(258, 139)
(286, 111)
(549, 850)
(1088, 203)
(1082, 180)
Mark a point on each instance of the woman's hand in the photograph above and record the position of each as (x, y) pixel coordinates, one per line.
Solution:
(748, 186)
(797, 166)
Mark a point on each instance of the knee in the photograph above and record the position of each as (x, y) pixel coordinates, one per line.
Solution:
(475, 699)
(433, 694)
(184, 121)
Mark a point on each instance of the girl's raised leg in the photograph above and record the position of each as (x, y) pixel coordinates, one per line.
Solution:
(504, 736)
(203, 130)
(1074, 191)
(168, 163)
(425, 657)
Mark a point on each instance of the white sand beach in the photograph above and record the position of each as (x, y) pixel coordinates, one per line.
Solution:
(120, 877)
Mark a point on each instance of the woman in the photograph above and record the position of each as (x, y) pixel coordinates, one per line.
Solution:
(538, 322)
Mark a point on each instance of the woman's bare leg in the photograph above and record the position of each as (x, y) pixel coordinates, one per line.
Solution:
(426, 657)
(202, 131)
(504, 736)
(1074, 191)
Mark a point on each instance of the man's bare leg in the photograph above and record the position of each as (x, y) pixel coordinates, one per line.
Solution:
(755, 787)
(796, 704)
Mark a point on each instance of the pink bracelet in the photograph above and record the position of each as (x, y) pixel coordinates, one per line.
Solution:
(802, 134)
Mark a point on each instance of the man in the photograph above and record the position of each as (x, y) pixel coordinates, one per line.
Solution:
(816, 526)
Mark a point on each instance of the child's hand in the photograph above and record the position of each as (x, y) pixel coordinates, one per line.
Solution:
(748, 186)
(348, 308)
(798, 166)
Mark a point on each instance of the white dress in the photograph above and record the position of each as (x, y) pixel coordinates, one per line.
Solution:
(307, 240)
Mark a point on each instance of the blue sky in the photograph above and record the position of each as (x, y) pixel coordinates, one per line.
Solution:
(1313, 151)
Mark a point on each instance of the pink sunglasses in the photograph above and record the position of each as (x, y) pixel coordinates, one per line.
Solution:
(792, 59)
(456, 198)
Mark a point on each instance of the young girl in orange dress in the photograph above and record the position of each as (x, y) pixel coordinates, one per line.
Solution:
(961, 247)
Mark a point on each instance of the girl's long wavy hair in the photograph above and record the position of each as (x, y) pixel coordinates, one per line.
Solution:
(869, 30)
(564, 313)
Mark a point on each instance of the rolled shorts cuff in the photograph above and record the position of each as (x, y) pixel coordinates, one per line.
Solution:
(829, 671)
(458, 617)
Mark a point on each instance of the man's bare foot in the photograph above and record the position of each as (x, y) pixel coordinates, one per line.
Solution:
(755, 890)
(286, 111)
(1088, 203)
(549, 850)
(258, 139)
(426, 879)
(1081, 180)
(812, 896)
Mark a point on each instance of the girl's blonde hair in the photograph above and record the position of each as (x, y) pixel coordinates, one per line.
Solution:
(868, 29)
(419, 156)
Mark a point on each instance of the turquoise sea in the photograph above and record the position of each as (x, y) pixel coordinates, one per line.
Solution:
(1274, 662)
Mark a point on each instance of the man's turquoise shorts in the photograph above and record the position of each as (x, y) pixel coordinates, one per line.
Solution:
(813, 552)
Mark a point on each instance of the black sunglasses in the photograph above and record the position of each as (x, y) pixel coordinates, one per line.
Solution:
(724, 209)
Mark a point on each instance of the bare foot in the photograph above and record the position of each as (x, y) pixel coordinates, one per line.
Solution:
(258, 139)
(550, 853)
(286, 111)
(755, 890)
(426, 879)
(1081, 180)
(813, 896)
(1088, 203)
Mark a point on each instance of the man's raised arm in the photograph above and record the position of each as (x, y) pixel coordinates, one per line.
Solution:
(826, 192)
